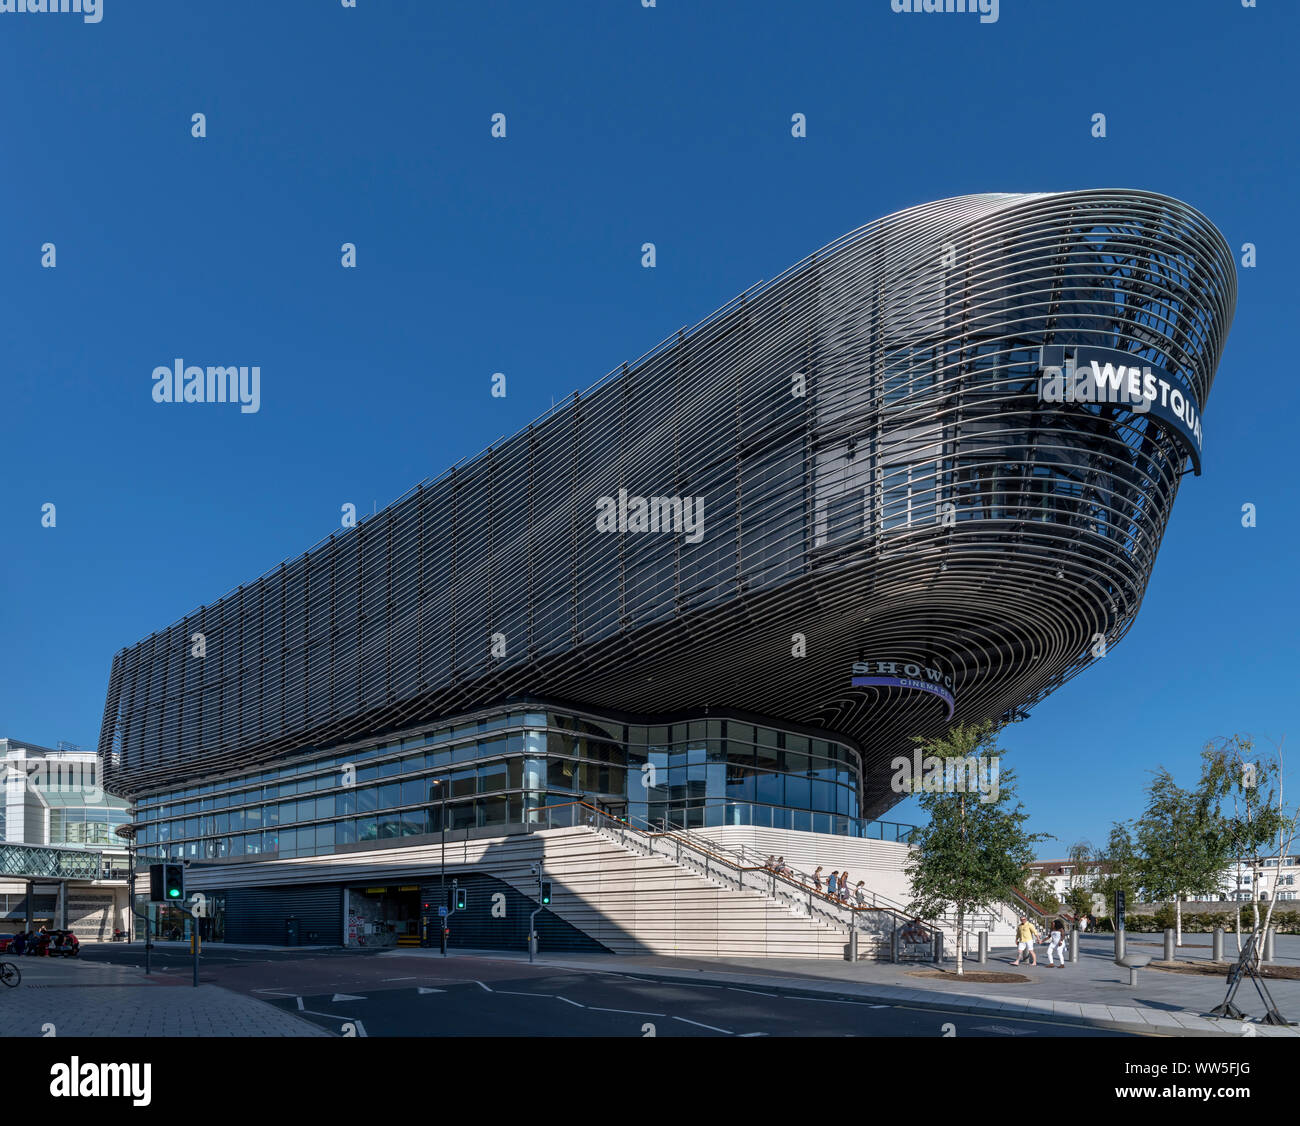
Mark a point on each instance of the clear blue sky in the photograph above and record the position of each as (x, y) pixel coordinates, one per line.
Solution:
(625, 125)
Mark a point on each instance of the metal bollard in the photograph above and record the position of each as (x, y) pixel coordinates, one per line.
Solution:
(1119, 943)
(938, 946)
(1133, 976)
(1216, 945)
(853, 946)
(1268, 944)
(1169, 944)
(893, 946)
(1074, 944)
(984, 948)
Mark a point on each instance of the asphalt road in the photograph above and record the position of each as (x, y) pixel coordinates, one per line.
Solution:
(373, 994)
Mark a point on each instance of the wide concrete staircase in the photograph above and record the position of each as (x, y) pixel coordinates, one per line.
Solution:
(638, 902)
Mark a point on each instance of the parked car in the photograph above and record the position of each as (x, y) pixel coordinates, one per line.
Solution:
(63, 944)
(5, 940)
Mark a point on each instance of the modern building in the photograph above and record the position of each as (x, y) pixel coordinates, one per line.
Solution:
(921, 475)
(62, 863)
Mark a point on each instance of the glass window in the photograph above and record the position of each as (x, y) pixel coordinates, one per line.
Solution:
(491, 777)
(491, 811)
(345, 832)
(461, 815)
(325, 805)
(368, 799)
(345, 802)
(367, 829)
(463, 783)
(390, 795)
(466, 752)
(560, 774)
(324, 838)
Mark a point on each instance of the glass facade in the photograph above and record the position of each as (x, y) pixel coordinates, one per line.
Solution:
(87, 825)
(504, 768)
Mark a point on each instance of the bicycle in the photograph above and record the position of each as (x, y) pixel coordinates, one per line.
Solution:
(10, 974)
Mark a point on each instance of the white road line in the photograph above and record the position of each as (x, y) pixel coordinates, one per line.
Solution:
(332, 1016)
(481, 985)
(877, 1006)
(833, 1001)
(568, 1002)
(276, 992)
(411, 978)
(630, 1012)
(515, 993)
(697, 1024)
(757, 993)
(743, 1035)
(300, 1008)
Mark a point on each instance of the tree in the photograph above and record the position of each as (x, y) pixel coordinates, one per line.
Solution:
(1183, 841)
(1120, 861)
(1039, 889)
(974, 848)
(1259, 825)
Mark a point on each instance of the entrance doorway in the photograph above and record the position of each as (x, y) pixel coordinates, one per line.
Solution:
(384, 916)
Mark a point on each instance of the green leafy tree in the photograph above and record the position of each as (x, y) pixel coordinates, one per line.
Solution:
(1121, 864)
(974, 848)
(1248, 790)
(1039, 889)
(1183, 841)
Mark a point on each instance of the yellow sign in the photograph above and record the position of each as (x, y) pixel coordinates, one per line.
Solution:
(375, 891)
(409, 887)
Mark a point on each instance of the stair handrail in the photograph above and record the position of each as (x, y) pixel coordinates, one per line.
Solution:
(802, 892)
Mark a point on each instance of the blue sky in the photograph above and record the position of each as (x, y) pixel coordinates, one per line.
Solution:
(625, 125)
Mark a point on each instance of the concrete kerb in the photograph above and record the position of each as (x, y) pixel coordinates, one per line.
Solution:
(1064, 1012)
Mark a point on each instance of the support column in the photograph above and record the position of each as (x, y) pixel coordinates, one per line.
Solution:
(30, 893)
(61, 907)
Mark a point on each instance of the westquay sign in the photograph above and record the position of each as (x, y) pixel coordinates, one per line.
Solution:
(1106, 375)
(901, 674)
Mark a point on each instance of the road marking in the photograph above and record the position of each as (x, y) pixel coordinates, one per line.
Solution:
(877, 1006)
(833, 1001)
(300, 1008)
(481, 985)
(697, 1024)
(630, 1012)
(568, 1002)
(756, 992)
(411, 978)
(332, 1016)
(344, 997)
(515, 993)
(275, 992)
(426, 989)
(744, 1035)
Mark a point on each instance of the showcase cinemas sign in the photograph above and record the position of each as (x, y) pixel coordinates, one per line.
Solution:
(900, 674)
(1105, 375)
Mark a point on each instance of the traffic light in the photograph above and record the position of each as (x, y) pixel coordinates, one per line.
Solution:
(460, 899)
(173, 882)
(166, 883)
(546, 893)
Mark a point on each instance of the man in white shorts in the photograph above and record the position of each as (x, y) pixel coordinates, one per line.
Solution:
(1026, 933)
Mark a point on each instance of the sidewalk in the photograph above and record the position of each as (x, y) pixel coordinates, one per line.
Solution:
(94, 999)
(1094, 992)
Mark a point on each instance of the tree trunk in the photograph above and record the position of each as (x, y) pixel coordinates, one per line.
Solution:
(961, 936)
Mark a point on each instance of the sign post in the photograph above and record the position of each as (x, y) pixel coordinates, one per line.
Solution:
(1119, 924)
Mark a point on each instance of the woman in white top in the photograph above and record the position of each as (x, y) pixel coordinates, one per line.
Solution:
(1056, 943)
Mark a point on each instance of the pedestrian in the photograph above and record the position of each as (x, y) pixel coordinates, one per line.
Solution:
(817, 878)
(1026, 933)
(832, 883)
(861, 893)
(1056, 943)
(781, 869)
(19, 943)
(771, 863)
(844, 886)
(1083, 923)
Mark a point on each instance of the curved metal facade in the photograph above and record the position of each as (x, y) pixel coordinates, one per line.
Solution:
(879, 481)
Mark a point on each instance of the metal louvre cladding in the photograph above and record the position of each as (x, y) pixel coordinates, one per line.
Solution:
(916, 503)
